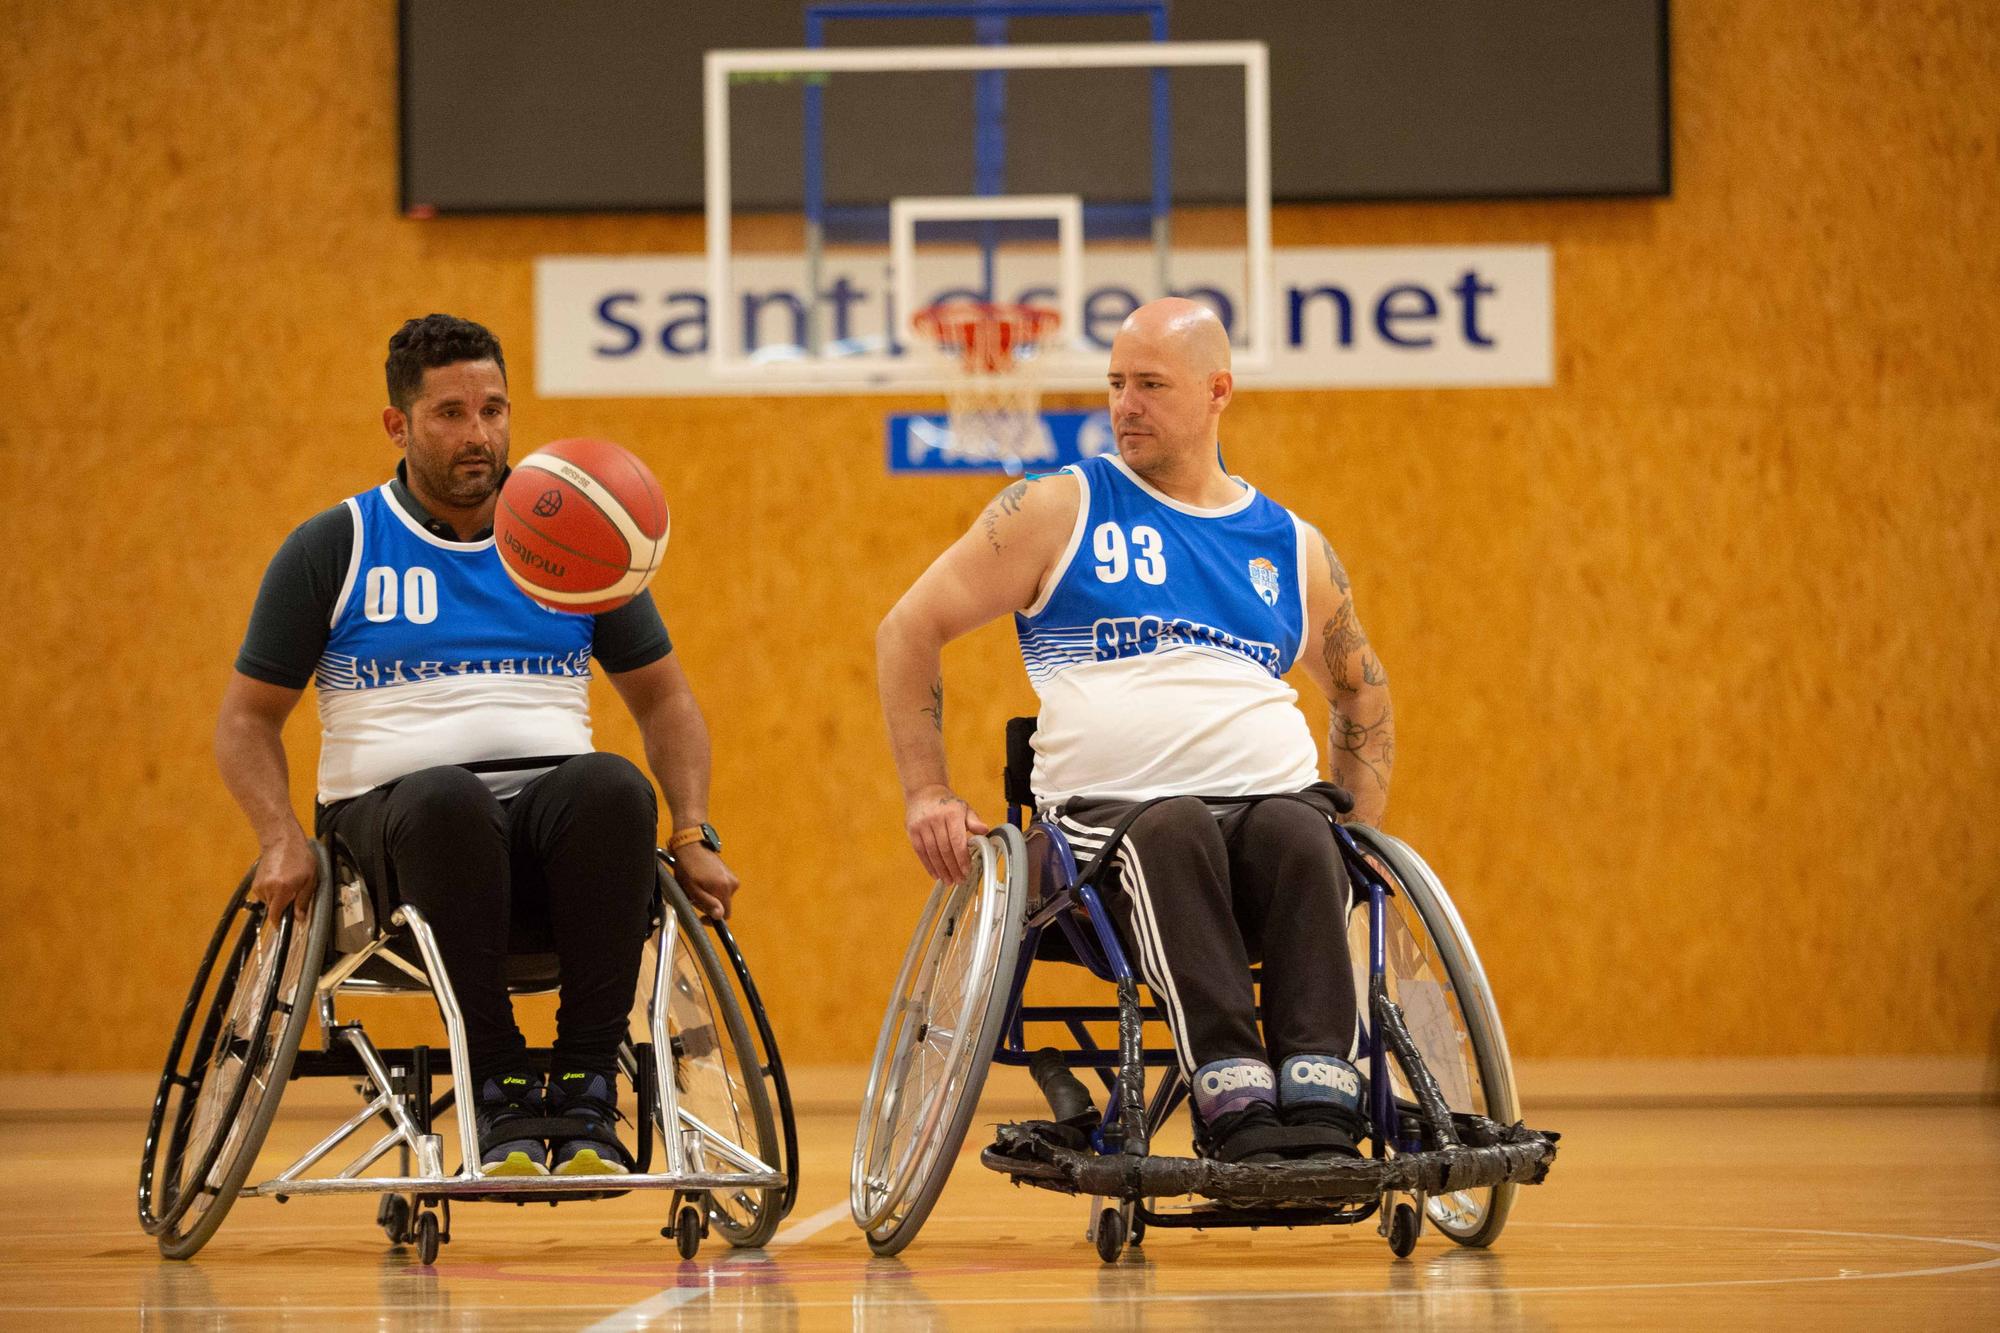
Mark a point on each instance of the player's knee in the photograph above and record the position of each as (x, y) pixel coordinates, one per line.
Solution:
(1183, 822)
(446, 797)
(1296, 827)
(611, 792)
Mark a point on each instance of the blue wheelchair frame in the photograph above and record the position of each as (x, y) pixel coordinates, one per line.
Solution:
(1076, 908)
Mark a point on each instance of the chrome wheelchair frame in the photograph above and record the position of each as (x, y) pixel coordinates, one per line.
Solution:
(702, 1083)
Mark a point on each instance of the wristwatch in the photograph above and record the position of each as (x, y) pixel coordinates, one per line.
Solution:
(704, 834)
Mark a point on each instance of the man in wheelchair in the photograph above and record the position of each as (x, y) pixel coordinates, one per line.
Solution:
(1158, 601)
(456, 761)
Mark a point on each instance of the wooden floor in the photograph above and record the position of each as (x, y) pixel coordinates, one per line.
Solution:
(1715, 1218)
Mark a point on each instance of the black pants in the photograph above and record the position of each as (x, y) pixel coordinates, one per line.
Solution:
(1203, 892)
(569, 861)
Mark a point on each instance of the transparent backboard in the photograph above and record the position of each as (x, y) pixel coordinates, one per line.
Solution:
(850, 187)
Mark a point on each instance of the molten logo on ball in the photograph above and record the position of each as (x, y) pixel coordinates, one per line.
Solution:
(532, 559)
(549, 505)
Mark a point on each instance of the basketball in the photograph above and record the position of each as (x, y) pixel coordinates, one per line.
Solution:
(581, 526)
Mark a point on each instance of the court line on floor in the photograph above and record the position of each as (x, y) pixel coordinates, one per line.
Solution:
(632, 1316)
(639, 1314)
(1508, 1289)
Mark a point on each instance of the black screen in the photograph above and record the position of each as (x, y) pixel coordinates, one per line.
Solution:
(596, 104)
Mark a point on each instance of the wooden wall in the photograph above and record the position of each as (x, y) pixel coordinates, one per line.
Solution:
(1694, 653)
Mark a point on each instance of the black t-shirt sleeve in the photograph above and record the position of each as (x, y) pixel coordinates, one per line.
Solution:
(632, 636)
(291, 619)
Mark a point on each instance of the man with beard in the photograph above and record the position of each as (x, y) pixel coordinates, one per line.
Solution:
(456, 759)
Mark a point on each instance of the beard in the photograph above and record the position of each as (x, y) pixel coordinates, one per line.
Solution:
(465, 489)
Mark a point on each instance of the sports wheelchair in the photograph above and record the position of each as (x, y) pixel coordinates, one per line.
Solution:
(699, 1079)
(1448, 1144)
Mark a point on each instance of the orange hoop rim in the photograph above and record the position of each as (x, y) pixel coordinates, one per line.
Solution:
(986, 336)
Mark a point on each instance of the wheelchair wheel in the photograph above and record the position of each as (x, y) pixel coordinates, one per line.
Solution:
(717, 1077)
(937, 1042)
(1434, 974)
(231, 1055)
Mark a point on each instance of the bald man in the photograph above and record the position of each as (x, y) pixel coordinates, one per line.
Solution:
(1159, 600)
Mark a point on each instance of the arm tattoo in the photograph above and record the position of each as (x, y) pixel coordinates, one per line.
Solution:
(1370, 745)
(936, 711)
(1371, 669)
(1005, 504)
(1340, 638)
(1333, 564)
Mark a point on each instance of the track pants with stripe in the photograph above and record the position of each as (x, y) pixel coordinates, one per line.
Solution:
(1203, 892)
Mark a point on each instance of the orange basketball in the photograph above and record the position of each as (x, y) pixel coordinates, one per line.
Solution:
(581, 526)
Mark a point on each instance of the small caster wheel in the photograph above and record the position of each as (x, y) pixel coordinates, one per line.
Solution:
(427, 1239)
(1110, 1235)
(687, 1231)
(1403, 1231)
(393, 1216)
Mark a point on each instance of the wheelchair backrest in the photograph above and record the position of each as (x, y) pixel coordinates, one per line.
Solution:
(1018, 778)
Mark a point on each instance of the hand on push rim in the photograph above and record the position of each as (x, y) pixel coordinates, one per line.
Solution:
(287, 872)
(940, 824)
(706, 879)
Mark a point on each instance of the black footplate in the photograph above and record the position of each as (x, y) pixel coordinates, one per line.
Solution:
(1037, 1152)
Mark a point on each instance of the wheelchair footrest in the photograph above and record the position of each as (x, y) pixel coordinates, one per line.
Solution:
(537, 1189)
(1491, 1155)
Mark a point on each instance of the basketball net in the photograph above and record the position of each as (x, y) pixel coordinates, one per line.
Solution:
(993, 355)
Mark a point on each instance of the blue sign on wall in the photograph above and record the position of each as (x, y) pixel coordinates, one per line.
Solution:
(919, 443)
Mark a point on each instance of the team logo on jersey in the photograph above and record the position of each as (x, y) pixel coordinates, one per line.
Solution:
(550, 502)
(1264, 578)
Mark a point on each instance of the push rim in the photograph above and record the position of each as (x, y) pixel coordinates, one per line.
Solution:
(1434, 974)
(718, 1079)
(922, 1097)
(210, 1115)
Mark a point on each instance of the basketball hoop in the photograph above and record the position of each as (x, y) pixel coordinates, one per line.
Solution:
(993, 352)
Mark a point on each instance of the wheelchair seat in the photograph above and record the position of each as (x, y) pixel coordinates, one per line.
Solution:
(701, 1083)
(1446, 1142)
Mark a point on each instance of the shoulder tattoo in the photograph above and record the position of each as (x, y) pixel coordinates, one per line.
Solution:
(1004, 505)
(1333, 564)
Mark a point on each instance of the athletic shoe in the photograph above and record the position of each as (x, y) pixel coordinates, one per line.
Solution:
(505, 1101)
(591, 1099)
(1323, 1096)
(1337, 1128)
(1251, 1136)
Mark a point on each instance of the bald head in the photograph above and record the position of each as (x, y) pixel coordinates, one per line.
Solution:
(1170, 384)
(1186, 330)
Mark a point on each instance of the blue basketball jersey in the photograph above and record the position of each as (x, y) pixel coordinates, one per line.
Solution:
(1159, 644)
(435, 657)
(1151, 575)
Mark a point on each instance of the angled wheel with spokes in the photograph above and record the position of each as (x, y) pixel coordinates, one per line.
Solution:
(1434, 976)
(231, 1055)
(937, 1042)
(719, 1082)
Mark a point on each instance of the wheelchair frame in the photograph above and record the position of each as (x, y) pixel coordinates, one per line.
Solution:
(255, 1034)
(1460, 1168)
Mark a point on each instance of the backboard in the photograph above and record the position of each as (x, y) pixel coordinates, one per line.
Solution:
(1043, 173)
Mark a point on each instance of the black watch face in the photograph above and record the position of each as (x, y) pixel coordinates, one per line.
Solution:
(710, 838)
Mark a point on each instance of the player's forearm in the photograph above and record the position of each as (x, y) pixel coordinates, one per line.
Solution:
(909, 677)
(250, 753)
(677, 750)
(1361, 743)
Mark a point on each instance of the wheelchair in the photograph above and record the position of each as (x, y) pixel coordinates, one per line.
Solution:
(1447, 1144)
(701, 1081)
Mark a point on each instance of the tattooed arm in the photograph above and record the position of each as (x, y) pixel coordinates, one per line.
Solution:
(997, 566)
(1361, 739)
